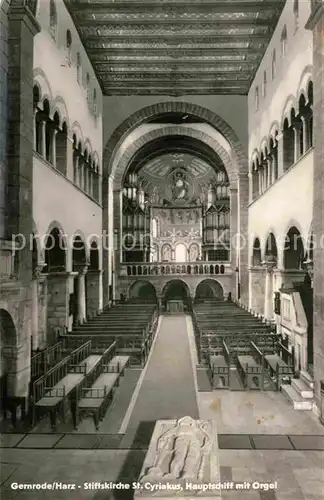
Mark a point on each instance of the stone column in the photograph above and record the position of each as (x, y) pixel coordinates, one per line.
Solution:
(43, 131)
(259, 171)
(76, 169)
(57, 303)
(4, 6)
(273, 168)
(39, 308)
(34, 131)
(82, 308)
(269, 265)
(316, 24)
(297, 128)
(93, 280)
(250, 177)
(243, 261)
(280, 154)
(34, 316)
(91, 182)
(257, 287)
(69, 159)
(117, 219)
(53, 147)
(22, 28)
(81, 172)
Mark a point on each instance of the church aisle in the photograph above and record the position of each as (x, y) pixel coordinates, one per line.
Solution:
(168, 388)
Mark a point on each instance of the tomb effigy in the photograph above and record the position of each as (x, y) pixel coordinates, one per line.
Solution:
(182, 461)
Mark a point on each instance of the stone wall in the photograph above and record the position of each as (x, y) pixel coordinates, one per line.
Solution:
(316, 23)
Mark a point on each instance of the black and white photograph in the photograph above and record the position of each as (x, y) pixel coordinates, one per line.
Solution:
(162, 249)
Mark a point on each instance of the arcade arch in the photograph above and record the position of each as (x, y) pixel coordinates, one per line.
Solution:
(142, 291)
(209, 289)
(294, 252)
(8, 366)
(176, 296)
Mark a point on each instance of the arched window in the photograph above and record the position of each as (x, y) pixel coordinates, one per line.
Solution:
(284, 41)
(273, 65)
(296, 14)
(53, 19)
(256, 99)
(79, 68)
(264, 84)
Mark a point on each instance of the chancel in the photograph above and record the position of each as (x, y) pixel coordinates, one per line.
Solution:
(161, 242)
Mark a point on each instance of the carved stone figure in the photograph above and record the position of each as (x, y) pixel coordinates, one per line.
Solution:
(193, 253)
(166, 252)
(180, 451)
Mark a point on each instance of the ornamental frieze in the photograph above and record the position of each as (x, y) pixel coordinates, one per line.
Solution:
(182, 55)
(180, 29)
(174, 14)
(207, 42)
(107, 69)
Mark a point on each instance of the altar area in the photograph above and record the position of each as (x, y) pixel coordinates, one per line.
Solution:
(175, 306)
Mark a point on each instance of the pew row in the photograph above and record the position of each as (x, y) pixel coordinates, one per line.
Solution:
(96, 399)
(219, 367)
(53, 392)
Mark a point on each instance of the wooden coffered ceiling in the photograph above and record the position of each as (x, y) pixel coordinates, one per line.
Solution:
(175, 47)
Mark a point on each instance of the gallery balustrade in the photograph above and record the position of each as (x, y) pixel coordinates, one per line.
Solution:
(179, 268)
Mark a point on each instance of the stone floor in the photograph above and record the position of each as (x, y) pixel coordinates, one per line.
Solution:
(299, 474)
(254, 412)
(261, 439)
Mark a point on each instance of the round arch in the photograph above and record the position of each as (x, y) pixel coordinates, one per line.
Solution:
(8, 339)
(55, 249)
(271, 245)
(79, 253)
(157, 110)
(142, 290)
(294, 251)
(176, 289)
(118, 171)
(256, 253)
(209, 289)
(94, 256)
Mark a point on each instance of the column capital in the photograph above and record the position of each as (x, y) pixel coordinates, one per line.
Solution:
(23, 11)
(38, 270)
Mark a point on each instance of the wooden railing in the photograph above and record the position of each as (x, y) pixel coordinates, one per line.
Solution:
(170, 268)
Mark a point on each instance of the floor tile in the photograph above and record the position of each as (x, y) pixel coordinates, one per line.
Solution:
(10, 440)
(79, 441)
(39, 441)
(276, 442)
(234, 442)
(308, 442)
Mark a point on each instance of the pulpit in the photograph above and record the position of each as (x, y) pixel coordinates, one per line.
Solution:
(175, 306)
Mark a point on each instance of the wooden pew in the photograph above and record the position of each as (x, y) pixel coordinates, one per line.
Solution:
(277, 367)
(96, 399)
(251, 368)
(52, 391)
(219, 368)
(42, 361)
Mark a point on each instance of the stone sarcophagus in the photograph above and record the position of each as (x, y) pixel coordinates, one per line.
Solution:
(182, 461)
